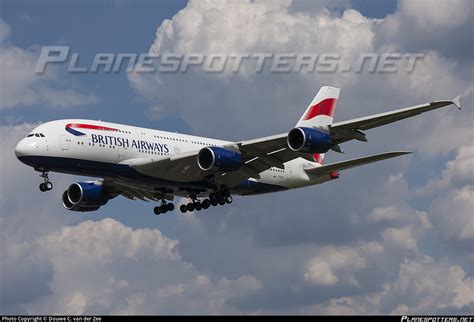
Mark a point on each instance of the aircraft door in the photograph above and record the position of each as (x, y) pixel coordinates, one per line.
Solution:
(64, 141)
(121, 152)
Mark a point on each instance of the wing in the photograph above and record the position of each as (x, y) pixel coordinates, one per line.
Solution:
(264, 153)
(181, 167)
(343, 165)
(257, 156)
(261, 154)
(134, 190)
(352, 129)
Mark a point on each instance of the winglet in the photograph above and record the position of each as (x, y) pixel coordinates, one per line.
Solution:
(457, 101)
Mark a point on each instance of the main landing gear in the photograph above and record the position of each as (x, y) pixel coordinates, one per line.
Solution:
(165, 207)
(46, 185)
(218, 198)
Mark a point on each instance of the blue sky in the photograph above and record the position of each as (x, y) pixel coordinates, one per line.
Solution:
(355, 245)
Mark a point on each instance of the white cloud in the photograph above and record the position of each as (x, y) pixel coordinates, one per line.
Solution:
(453, 214)
(457, 172)
(122, 270)
(439, 16)
(276, 101)
(418, 25)
(21, 86)
(423, 286)
(338, 264)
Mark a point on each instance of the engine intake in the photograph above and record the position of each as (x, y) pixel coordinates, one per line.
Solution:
(84, 196)
(219, 159)
(308, 140)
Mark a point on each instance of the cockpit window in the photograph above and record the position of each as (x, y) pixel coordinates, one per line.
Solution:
(35, 134)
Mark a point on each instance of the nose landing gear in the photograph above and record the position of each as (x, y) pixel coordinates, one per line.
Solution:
(46, 185)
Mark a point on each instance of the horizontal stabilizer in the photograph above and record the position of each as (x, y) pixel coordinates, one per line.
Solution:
(343, 165)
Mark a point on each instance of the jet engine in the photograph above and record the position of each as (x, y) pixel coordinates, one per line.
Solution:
(308, 140)
(84, 196)
(219, 159)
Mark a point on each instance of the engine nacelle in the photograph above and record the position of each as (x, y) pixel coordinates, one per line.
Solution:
(219, 159)
(308, 140)
(70, 206)
(84, 196)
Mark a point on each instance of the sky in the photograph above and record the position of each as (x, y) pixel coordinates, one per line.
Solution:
(394, 237)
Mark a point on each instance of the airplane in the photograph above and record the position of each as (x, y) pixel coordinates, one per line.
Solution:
(154, 165)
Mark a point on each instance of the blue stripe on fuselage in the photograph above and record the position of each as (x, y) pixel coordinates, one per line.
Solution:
(74, 132)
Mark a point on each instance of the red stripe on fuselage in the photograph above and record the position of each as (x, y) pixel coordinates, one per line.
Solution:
(325, 107)
(90, 127)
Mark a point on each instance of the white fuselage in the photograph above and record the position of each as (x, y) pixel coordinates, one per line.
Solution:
(100, 149)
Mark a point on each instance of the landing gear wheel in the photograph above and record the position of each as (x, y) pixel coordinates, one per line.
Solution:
(214, 202)
(228, 199)
(183, 208)
(164, 208)
(46, 185)
(157, 210)
(190, 207)
(206, 203)
(212, 197)
(198, 206)
(221, 202)
(170, 206)
(226, 192)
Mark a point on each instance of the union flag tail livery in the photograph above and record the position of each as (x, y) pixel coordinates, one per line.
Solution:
(320, 111)
(152, 165)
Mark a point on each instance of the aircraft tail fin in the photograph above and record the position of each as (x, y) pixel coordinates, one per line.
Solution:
(321, 109)
(320, 112)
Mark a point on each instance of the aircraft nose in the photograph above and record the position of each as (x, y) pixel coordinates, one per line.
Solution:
(24, 148)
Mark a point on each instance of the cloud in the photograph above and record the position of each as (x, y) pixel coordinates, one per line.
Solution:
(423, 286)
(457, 172)
(445, 27)
(120, 270)
(275, 100)
(21, 86)
(23, 272)
(343, 261)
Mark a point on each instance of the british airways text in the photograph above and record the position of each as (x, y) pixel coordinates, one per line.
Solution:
(123, 142)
